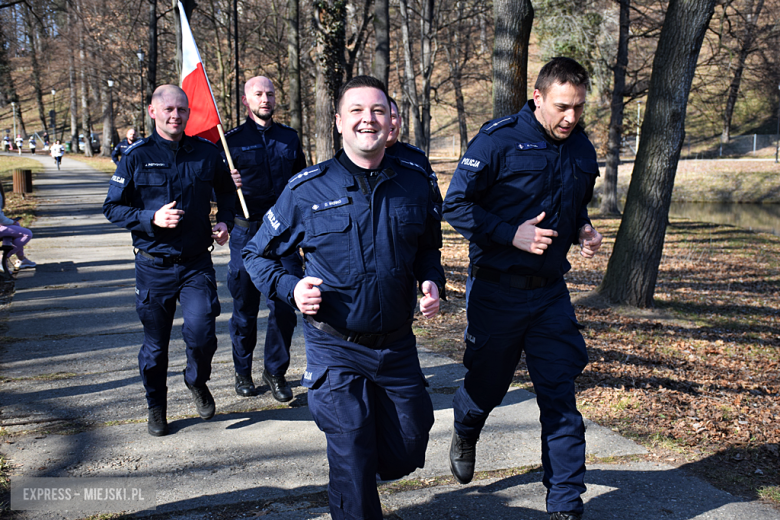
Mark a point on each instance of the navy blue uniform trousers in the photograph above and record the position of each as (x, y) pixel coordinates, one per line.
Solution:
(157, 287)
(246, 305)
(502, 323)
(375, 412)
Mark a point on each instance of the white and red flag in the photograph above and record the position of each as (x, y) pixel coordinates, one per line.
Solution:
(204, 115)
(204, 118)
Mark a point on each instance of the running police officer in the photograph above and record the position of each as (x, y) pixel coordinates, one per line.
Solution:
(266, 154)
(124, 144)
(161, 192)
(370, 231)
(520, 196)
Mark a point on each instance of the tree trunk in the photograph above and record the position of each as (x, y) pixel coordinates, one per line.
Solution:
(513, 19)
(382, 35)
(410, 85)
(36, 69)
(609, 200)
(86, 117)
(457, 53)
(427, 57)
(753, 10)
(633, 267)
(324, 112)
(223, 93)
(74, 119)
(294, 67)
(151, 68)
(108, 119)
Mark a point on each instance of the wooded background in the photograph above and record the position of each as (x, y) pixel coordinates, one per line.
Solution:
(438, 59)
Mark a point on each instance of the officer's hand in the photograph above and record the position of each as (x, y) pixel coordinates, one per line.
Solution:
(167, 217)
(307, 295)
(236, 178)
(533, 239)
(590, 241)
(429, 303)
(220, 233)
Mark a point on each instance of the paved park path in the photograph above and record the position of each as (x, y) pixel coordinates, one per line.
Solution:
(73, 406)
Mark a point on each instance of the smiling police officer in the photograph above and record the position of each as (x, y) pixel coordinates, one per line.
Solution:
(370, 230)
(161, 192)
(520, 196)
(266, 154)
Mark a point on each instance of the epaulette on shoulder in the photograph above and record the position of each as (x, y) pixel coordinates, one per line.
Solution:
(136, 144)
(305, 175)
(412, 165)
(412, 147)
(205, 140)
(282, 125)
(234, 130)
(495, 124)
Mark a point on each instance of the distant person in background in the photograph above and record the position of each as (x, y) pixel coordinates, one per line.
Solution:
(45, 140)
(6, 143)
(19, 143)
(57, 151)
(124, 144)
(33, 144)
(405, 151)
(10, 227)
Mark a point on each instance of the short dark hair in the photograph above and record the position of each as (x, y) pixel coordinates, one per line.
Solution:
(391, 102)
(361, 82)
(561, 70)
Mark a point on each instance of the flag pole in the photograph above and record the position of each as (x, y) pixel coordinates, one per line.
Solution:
(230, 164)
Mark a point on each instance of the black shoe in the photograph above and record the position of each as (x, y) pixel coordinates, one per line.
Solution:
(204, 402)
(158, 424)
(463, 454)
(245, 387)
(279, 388)
(568, 515)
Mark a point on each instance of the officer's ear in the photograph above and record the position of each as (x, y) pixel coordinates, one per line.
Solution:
(338, 122)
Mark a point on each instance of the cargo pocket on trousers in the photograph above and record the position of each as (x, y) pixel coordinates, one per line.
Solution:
(320, 399)
(475, 341)
(141, 302)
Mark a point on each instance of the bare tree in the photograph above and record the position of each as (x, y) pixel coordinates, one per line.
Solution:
(513, 21)
(409, 84)
(633, 267)
(382, 36)
(609, 202)
(330, 20)
(32, 32)
(748, 18)
(294, 68)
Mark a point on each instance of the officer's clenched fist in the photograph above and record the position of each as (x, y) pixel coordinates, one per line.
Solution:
(167, 216)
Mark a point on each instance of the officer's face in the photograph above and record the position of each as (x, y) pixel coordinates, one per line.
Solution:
(364, 123)
(395, 125)
(170, 112)
(560, 109)
(260, 98)
(130, 136)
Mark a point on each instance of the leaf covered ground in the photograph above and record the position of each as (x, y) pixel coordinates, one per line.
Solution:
(697, 378)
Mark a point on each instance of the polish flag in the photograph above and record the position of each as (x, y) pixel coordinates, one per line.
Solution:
(204, 115)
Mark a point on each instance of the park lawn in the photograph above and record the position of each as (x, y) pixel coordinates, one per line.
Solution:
(17, 205)
(695, 380)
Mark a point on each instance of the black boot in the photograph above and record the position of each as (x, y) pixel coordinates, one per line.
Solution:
(463, 454)
(158, 423)
(279, 388)
(204, 402)
(245, 387)
(568, 515)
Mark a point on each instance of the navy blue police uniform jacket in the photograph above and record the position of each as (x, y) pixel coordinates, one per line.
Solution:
(151, 174)
(511, 172)
(368, 248)
(266, 158)
(408, 152)
(120, 149)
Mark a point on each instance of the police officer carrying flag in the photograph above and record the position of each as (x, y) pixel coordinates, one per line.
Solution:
(161, 192)
(370, 231)
(520, 196)
(266, 154)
